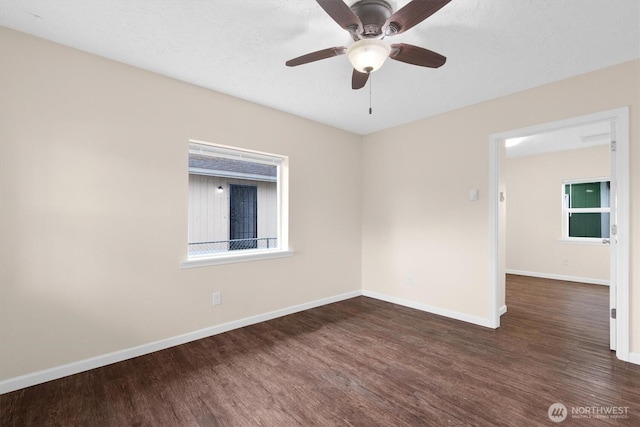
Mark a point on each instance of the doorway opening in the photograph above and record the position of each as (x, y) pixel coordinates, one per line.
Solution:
(617, 122)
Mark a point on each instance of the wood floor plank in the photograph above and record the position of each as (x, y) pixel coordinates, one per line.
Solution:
(363, 362)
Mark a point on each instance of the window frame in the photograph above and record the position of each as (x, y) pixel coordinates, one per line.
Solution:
(566, 211)
(282, 194)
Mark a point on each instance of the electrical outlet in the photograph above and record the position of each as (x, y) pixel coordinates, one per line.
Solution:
(217, 298)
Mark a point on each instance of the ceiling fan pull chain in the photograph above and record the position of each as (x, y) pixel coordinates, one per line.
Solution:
(370, 84)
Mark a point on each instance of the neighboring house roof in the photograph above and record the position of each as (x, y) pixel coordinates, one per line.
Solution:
(216, 166)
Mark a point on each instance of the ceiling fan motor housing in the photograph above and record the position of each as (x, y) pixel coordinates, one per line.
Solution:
(373, 14)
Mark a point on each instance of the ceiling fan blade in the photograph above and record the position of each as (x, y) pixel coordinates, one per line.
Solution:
(358, 79)
(316, 56)
(416, 55)
(341, 13)
(411, 14)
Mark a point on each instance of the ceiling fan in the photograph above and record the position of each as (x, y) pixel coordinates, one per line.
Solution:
(369, 22)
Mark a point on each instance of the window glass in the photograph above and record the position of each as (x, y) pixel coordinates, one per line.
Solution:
(586, 209)
(234, 200)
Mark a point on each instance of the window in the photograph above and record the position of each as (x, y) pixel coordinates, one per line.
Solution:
(237, 204)
(586, 209)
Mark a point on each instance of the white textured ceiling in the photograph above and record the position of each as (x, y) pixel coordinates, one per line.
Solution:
(239, 47)
(583, 136)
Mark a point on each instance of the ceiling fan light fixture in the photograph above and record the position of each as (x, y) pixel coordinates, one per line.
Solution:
(367, 55)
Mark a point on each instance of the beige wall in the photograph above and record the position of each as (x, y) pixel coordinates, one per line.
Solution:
(423, 240)
(89, 147)
(93, 207)
(534, 214)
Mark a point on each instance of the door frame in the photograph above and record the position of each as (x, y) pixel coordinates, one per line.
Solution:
(619, 119)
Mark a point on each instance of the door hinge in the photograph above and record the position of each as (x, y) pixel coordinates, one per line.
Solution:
(613, 313)
(614, 229)
(613, 146)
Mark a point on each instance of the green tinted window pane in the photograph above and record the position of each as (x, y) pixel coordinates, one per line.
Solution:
(589, 225)
(588, 194)
(585, 195)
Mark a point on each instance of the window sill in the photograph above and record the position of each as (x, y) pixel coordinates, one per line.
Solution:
(234, 258)
(582, 241)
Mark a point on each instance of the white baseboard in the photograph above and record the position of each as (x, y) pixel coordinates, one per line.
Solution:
(45, 375)
(57, 372)
(429, 309)
(559, 277)
(634, 358)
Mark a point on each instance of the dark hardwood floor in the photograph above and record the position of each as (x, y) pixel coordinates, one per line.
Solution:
(364, 362)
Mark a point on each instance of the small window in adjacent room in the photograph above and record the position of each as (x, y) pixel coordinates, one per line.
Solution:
(586, 210)
(237, 203)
